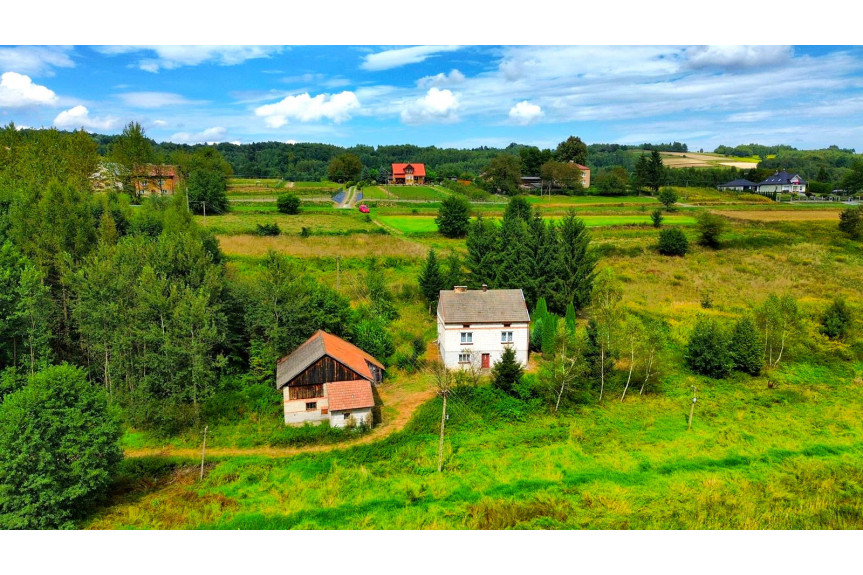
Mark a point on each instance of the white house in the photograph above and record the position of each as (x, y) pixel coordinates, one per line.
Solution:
(782, 183)
(328, 379)
(476, 326)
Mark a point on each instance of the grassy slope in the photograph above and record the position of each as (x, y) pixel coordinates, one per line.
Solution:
(779, 451)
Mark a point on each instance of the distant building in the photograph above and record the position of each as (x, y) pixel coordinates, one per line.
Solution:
(157, 180)
(782, 183)
(739, 186)
(408, 174)
(328, 379)
(476, 326)
(585, 174)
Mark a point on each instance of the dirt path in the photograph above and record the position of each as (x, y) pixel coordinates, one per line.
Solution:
(403, 400)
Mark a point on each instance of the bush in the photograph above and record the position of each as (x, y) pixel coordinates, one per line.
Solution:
(305, 232)
(453, 217)
(835, 321)
(851, 222)
(673, 242)
(268, 229)
(747, 347)
(708, 350)
(288, 204)
(711, 227)
(656, 217)
(59, 449)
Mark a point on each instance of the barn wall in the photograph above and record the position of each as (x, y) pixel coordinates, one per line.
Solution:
(296, 413)
(323, 371)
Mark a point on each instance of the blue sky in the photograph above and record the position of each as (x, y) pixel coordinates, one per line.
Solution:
(461, 96)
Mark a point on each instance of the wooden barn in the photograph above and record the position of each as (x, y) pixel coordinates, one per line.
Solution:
(328, 379)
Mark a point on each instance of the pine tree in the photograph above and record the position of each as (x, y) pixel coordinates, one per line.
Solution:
(513, 268)
(431, 280)
(576, 265)
(482, 252)
(507, 372)
(454, 275)
(549, 332)
(570, 319)
(747, 347)
(708, 350)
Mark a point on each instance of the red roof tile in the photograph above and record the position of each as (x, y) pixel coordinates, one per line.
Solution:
(399, 169)
(344, 395)
(320, 344)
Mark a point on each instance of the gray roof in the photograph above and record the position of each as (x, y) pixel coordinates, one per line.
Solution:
(736, 183)
(780, 178)
(477, 306)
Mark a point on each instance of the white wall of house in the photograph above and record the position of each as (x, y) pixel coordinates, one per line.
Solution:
(362, 415)
(484, 338)
(296, 412)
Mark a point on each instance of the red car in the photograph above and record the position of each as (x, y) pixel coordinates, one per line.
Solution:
(364, 208)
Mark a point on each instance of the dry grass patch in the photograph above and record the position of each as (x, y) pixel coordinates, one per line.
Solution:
(781, 215)
(353, 246)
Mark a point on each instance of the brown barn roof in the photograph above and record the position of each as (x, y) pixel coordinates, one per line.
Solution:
(350, 395)
(479, 306)
(316, 347)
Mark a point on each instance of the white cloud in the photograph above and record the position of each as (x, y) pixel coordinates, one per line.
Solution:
(35, 60)
(79, 117)
(757, 116)
(736, 56)
(305, 108)
(436, 106)
(172, 57)
(452, 79)
(153, 99)
(389, 59)
(19, 91)
(209, 136)
(525, 113)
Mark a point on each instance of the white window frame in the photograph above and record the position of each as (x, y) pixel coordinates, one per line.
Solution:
(464, 358)
(467, 338)
(506, 337)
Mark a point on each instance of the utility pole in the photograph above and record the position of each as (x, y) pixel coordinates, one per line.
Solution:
(205, 208)
(692, 407)
(445, 392)
(203, 451)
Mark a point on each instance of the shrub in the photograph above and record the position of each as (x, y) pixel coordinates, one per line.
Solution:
(305, 232)
(288, 204)
(706, 300)
(747, 347)
(453, 217)
(656, 217)
(835, 321)
(708, 350)
(58, 449)
(268, 229)
(851, 222)
(673, 242)
(711, 227)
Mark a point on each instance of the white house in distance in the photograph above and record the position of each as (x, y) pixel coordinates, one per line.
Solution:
(328, 379)
(476, 326)
(782, 183)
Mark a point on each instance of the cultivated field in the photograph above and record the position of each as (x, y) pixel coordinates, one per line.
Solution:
(696, 160)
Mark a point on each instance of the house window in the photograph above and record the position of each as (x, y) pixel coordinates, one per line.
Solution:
(506, 337)
(464, 358)
(466, 337)
(311, 405)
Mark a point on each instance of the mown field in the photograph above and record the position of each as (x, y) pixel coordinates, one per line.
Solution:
(780, 451)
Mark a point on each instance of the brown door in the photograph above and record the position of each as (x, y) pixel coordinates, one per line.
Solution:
(486, 358)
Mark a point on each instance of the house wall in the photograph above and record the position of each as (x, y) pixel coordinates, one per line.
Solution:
(585, 178)
(486, 339)
(782, 188)
(295, 409)
(363, 415)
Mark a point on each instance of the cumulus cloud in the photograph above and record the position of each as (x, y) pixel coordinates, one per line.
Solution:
(153, 99)
(36, 60)
(79, 117)
(172, 57)
(209, 136)
(736, 56)
(305, 108)
(398, 57)
(19, 91)
(525, 113)
(452, 79)
(436, 106)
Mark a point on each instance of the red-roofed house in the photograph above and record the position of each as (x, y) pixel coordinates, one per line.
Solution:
(408, 174)
(328, 379)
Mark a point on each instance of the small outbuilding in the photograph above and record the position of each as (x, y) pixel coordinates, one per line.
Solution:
(328, 379)
(739, 186)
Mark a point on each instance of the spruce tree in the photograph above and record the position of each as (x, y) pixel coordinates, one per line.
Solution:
(507, 372)
(513, 269)
(747, 347)
(576, 265)
(431, 279)
(549, 332)
(482, 252)
(453, 273)
(570, 319)
(708, 351)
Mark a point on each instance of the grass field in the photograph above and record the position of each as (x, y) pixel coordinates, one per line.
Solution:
(426, 224)
(328, 221)
(780, 451)
(375, 193)
(426, 193)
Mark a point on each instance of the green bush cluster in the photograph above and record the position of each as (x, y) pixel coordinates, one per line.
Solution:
(288, 204)
(672, 242)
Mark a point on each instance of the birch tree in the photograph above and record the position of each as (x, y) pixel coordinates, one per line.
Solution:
(605, 313)
(778, 318)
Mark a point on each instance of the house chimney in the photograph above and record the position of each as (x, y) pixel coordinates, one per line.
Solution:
(485, 287)
(459, 289)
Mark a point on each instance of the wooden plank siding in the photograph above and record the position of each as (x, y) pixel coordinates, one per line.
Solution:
(305, 391)
(324, 371)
